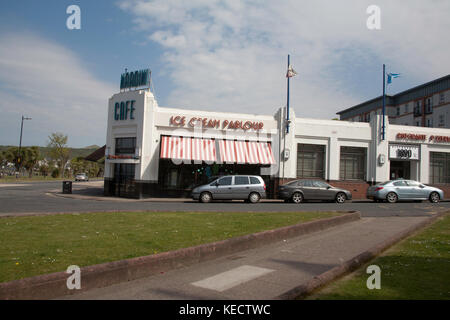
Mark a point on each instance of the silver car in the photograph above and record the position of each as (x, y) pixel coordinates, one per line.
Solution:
(395, 190)
(238, 187)
(81, 177)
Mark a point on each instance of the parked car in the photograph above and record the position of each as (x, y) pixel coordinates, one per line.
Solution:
(299, 190)
(236, 187)
(400, 189)
(81, 177)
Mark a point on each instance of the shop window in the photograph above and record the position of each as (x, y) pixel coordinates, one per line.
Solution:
(125, 146)
(439, 167)
(353, 163)
(310, 161)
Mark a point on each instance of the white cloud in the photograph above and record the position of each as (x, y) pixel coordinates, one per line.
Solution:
(47, 82)
(231, 55)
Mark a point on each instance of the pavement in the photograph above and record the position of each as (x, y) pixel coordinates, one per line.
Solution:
(46, 198)
(265, 272)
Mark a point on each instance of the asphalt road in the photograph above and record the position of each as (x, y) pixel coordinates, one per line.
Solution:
(41, 197)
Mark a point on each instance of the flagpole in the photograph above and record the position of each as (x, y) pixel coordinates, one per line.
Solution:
(384, 99)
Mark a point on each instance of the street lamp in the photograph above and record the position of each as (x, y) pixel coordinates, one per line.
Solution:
(20, 143)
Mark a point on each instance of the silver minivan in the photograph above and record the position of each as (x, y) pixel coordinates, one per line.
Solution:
(238, 187)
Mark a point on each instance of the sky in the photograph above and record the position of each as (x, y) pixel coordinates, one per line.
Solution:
(212, 55)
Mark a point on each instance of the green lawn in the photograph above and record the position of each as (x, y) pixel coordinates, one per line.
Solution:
(416, 268)
(44, 244)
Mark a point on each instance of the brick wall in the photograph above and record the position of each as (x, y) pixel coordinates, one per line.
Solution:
(443, 187)
(357, 188)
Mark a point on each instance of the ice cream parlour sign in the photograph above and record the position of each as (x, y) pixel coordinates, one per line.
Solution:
(182, 121)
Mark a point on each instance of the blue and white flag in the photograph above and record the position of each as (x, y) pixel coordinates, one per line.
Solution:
(392, 75)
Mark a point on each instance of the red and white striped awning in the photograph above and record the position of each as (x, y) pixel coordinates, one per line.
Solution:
(246, 152)
(186, 148)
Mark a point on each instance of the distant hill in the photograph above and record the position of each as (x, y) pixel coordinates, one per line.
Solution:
(94, 146)
(74, 152)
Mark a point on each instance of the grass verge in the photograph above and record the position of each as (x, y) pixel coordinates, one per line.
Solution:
(45, 244)
(416, 268)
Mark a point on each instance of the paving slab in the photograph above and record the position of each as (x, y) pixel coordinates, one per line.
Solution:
(262, 273)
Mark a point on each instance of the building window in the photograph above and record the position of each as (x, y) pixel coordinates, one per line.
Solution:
(353, 163)
(125, 146)
(441, 120)
(439, 167)
(406, 108)
(398, 111)
(429, 106)
(417, 109)
(442, 97)
(430, 123)
(418, 123)
(310, 161)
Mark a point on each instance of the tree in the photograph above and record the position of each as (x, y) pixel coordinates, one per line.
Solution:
(30, 156)
(59, 150)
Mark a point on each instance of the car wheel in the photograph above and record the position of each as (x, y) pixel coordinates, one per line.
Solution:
(254, 197)
(297, 197)
(391, 197)
(434, 197)
(205, 197)
(341, 197)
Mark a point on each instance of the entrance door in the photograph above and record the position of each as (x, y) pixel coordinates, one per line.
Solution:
(123, 176)
(400, 169)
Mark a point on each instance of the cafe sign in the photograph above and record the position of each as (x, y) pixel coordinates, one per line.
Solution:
(404, 152)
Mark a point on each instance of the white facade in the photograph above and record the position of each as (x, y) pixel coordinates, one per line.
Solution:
(149, 122)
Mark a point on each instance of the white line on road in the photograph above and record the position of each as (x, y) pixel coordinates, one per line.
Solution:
(229, 279)
(6, 185)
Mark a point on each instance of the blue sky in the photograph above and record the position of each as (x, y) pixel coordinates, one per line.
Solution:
(206, 55)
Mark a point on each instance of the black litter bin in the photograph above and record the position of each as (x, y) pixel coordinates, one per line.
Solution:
(67, 186)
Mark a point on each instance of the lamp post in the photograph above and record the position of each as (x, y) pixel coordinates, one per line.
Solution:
(20, 143)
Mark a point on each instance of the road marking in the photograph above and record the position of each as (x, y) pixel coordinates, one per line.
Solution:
(6, 185)
(229, 279)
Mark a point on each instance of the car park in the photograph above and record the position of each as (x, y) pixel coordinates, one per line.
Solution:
(400, 190)
(298, 191)
(234, 187)
(81, 177)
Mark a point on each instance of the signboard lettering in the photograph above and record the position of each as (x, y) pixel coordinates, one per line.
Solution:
(404, 152)
(124, 110)
(181, 121)
(135, 79)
